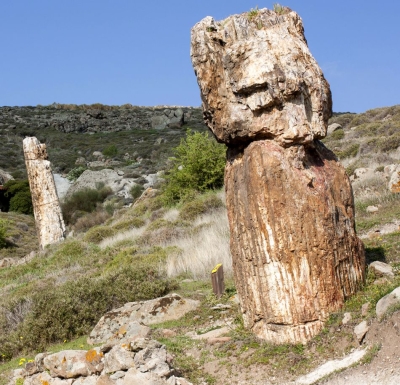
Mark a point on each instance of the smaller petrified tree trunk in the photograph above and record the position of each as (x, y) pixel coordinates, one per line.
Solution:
(46, 206)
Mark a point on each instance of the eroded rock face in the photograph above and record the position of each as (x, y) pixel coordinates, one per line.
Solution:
(48, 216)
(296, 256)
(258, 79)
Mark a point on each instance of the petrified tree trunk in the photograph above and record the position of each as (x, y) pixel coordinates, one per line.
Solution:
(296, 256)
(49, 221)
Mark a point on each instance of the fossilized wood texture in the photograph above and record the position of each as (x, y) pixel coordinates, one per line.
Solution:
(296, 256)
(258, 79)
(48, 216)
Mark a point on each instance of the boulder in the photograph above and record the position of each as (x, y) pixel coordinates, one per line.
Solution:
(62, 185)
(372, 209)
(361, 330)
(381, 269)
(290, 203)
(130, 320)
(394, 183)
(388, 301)
(4, 177)
(333, 127)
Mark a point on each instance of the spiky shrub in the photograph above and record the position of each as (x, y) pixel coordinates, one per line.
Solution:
(198, 166)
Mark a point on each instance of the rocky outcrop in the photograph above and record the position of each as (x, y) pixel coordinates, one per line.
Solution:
(394, 183)
(4, 177)
(296, 256)
(127, 320)
(136, 362)
(46, 206)
(99, 118)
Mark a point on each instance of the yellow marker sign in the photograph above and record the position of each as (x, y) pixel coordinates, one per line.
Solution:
(216, 268)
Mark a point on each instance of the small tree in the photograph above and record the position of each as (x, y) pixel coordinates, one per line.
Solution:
(198, 166)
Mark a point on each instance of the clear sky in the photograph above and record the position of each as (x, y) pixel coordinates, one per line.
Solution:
(138, 52)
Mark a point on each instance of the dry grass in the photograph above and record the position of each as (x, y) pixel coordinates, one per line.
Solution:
(131, 234)
(200, 251)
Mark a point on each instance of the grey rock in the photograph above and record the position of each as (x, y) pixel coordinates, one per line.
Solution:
(150, 312)
(381, 269)
(333, 127)
(365, 309)
(346, 318)
(372, 209)
(4, 177)
(62, 185)
(361, 330)
(118, 358)
(394, 183)
(388, 301)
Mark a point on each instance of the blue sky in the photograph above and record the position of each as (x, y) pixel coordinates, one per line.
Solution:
(138, 52)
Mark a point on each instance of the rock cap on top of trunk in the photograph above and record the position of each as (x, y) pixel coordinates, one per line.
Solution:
(258, 79)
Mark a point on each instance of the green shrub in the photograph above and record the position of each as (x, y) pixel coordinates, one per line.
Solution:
(349, 151)
(130, 223)
(19, 195)
(75, 173)
(3, 231)
(83, 201)
(338, 134)
(136, 191)
(110, 151)
(198, 166)
(98, 233)
(73, 309)
(191, 210)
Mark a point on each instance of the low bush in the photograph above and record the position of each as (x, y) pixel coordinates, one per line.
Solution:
(84, 201)
(201, 205)
(75, 173)
(136, 191)
(110, 151)
(90, 220)
(338, 134)
(129, 224)
(98, 233)
(348, 151)
(72, 310)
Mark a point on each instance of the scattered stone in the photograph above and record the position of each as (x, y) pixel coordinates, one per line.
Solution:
(330, 367)
(81, 161)
(168, 333)
(218, 340)
(381, 269)
(122, 320)
(365, 309)
(360, 172)
(333, 127)
(221, 306)
(346, 318)
(372, 209)
(386, 302)
(211, 334)
(394, 183)
(361, 330)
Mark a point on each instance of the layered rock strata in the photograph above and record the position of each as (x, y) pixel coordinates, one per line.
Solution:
(296, 255)
(48, 216)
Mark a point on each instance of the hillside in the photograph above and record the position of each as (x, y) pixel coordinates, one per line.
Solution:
(53, 300)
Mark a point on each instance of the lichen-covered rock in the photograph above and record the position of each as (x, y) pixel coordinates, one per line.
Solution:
(74, 363)
(130, 320)
(46, 206)
(258, 79)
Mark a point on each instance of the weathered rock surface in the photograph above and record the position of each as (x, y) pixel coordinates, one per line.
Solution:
(81, 118)
(258, 79)
(142, 362)
(330, 367)
(385, 303)
(296, 256)
(394, 183)
(361, 330)
(4, 176)
(131, 319)
(333, 127)
(48, 216)
(381, 269)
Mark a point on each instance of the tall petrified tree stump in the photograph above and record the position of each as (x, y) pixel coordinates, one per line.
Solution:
(46, 206)
(296, 255)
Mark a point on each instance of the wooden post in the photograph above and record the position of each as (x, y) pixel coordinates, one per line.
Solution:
(217, 279)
